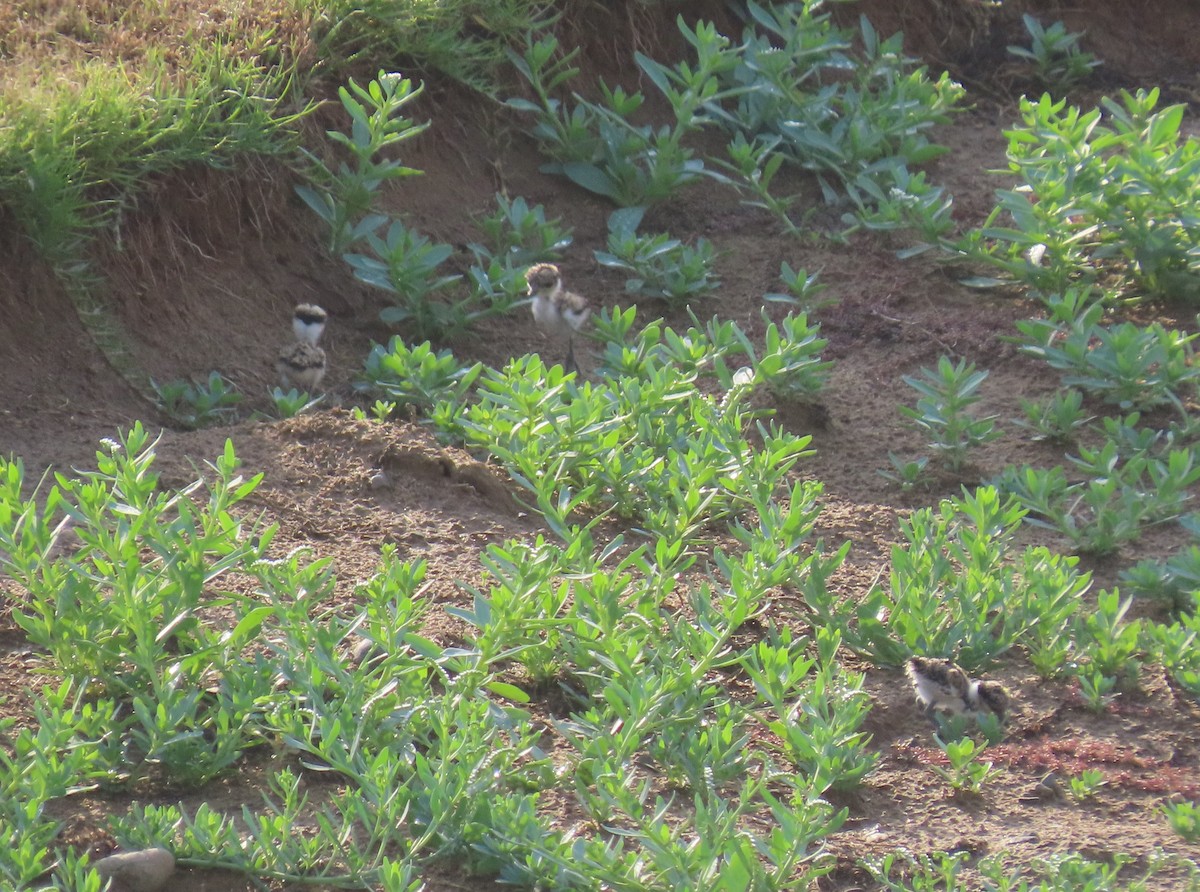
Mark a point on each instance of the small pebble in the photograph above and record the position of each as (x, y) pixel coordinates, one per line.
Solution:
(145, 871)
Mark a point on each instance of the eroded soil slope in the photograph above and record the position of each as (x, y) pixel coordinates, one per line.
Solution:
(210, 265)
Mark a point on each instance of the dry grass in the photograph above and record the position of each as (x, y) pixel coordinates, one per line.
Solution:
(96, 96)
(44, 39)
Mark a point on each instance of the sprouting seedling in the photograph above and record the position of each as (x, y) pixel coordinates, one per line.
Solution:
(195, 405)
(519, 234)
(802, 289)
(1057, 59)
(293, 402)
(1096, 689)
(344, 198)
(1057, 418)
(1184, 818)
(1086, 785)
(658, 265)
(907, 473)
(791, 364)
(967, 773)
(943, 412)
(432, 384)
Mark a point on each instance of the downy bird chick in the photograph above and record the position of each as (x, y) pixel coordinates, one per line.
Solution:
(302, 364)
(941, 685)
(557, 312)
(308, 322)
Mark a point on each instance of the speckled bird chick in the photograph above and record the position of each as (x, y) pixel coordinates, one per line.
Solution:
(302, 363)
(308, 322)
(557, 312)
(941, 685)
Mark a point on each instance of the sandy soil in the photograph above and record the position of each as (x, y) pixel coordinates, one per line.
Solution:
(210, 265)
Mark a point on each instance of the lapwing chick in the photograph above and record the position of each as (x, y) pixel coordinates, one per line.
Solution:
(941, 685)
(308, 323)
(557, 312)
(302, 363)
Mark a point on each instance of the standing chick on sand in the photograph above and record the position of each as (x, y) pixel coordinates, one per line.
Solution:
(302, 363)
(557, 312)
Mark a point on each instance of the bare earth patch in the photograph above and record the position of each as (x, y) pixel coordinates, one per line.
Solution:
(207, 280)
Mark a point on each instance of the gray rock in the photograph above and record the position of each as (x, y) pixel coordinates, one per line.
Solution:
(145, 871)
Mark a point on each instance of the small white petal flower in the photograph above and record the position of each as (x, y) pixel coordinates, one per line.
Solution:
(743, 377)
